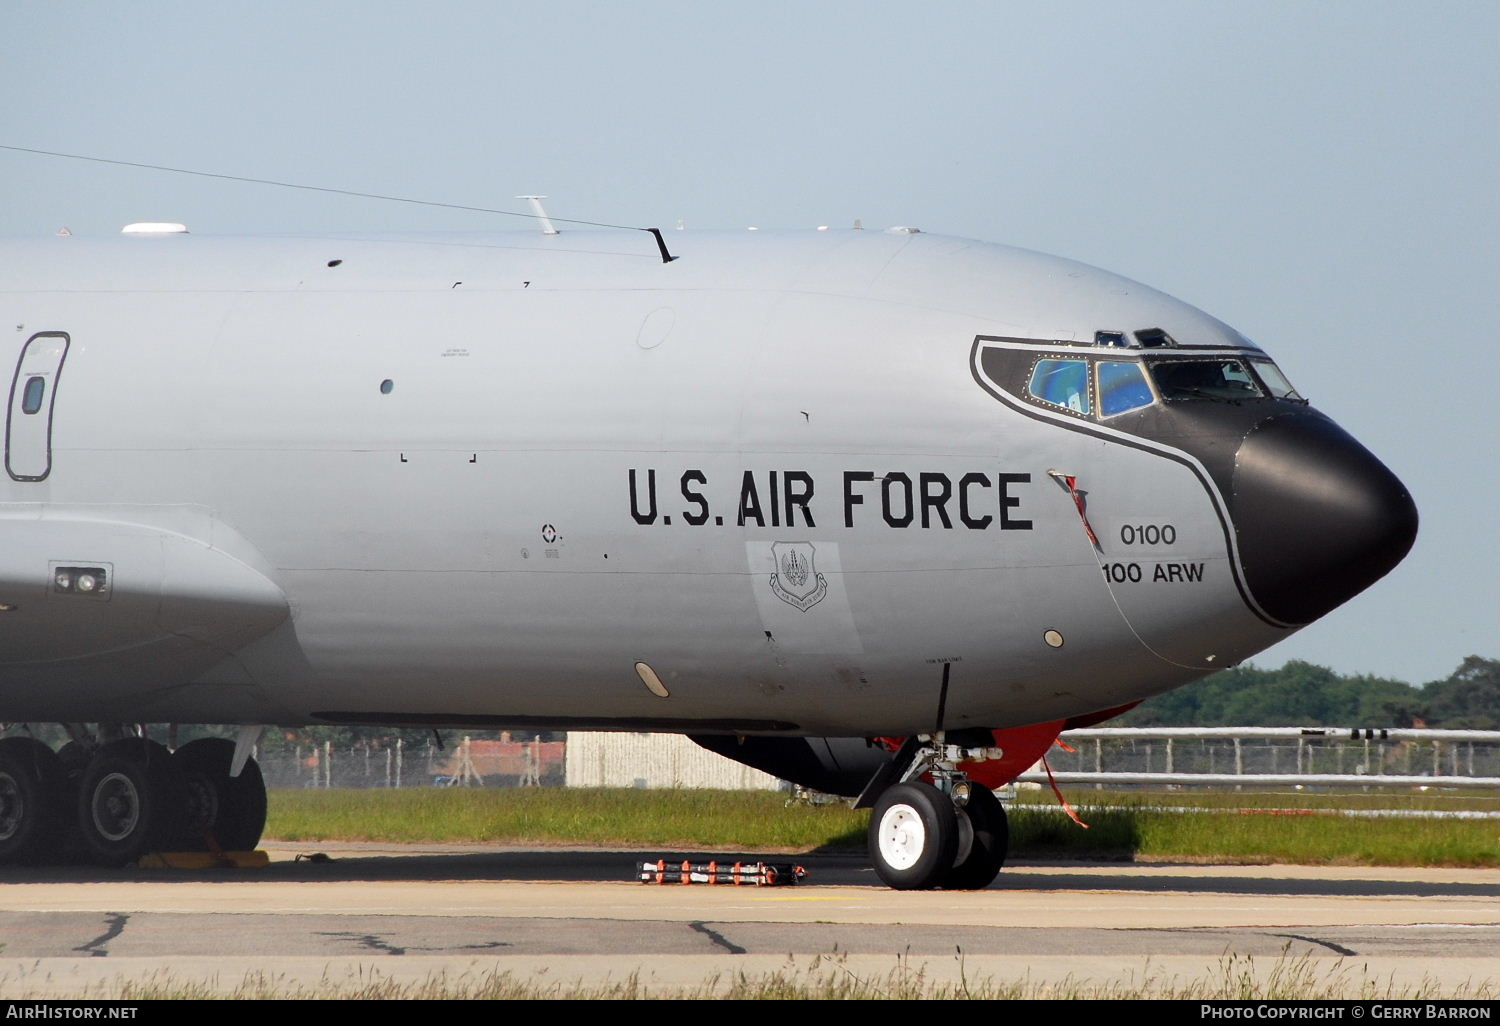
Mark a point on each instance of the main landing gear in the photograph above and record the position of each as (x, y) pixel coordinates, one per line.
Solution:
(31, 798)
(951, 833)
(111, 803)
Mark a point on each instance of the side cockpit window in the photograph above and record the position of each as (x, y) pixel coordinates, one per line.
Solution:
(1274, 380)
(1205, 379)
(1122, 387)
(1063, 383)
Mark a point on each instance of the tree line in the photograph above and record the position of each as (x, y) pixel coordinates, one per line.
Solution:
(1301, 694)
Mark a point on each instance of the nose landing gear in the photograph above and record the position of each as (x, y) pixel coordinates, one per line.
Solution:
(913, 836)
(951, 833)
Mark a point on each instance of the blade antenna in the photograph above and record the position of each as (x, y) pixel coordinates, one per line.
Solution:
(661, 244)
(541, 215)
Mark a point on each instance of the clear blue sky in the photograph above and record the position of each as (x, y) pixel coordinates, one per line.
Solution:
(1324, 176)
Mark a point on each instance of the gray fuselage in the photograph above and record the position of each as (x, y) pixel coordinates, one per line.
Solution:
(773, 486)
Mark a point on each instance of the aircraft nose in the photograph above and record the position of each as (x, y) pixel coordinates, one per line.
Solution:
(1318, 518)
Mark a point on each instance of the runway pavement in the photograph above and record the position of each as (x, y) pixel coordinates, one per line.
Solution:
(407, 913)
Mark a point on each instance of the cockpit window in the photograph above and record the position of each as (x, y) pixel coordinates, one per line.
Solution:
(1062, 383)
(1205, 379)
(1122, 387)
(1154, 338)
(1276, 381)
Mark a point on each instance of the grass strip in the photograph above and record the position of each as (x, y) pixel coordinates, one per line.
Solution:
(748, 820)
(763, 821)
(1466, 799)
(1229, 836)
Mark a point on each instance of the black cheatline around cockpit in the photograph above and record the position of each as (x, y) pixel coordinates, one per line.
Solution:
(1315, 516)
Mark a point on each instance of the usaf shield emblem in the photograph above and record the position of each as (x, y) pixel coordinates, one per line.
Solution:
(796, 580)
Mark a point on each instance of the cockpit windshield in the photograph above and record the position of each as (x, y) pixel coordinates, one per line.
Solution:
(1104, 385)
(1222, 379)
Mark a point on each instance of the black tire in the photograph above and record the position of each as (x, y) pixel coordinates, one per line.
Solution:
(226, 811)
(913, 836)
(32, 810)
(991, 837)
(74, 758)
(130, 800)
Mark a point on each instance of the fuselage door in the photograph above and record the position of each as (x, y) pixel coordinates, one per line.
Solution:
(28, 419)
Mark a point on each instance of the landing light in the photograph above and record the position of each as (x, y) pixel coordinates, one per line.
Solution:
(80, 580)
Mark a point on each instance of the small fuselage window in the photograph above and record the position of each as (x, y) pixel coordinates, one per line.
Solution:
(1122, 387)
(1205, 379)
(31, 397)
(1062, 383)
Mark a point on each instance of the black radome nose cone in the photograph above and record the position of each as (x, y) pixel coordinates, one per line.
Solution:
(1318, 518)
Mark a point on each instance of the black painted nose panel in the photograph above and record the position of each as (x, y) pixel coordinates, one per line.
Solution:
(1317, 516)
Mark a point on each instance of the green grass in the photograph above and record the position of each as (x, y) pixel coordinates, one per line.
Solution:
(749, 820)
(1316, 839)
(762, 821)
(1291, 826)
(1467, 799)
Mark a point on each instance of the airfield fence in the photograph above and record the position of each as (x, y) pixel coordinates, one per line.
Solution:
(584, 759)
(1104, 757)
(394, 763)
(1275, 757)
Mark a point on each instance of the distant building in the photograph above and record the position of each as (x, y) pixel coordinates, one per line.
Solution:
(656, 760)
